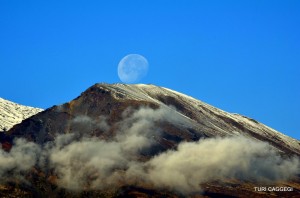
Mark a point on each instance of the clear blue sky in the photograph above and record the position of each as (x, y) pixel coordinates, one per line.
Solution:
(240, 56)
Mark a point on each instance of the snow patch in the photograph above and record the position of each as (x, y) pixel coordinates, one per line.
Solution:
(12, 113)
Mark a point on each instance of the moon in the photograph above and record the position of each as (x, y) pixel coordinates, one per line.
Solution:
(132, 68)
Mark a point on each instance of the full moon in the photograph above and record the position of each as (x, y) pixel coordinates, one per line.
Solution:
(132, 68)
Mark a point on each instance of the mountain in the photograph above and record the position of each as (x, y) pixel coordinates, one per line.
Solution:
(110, 100)
(117, 140)
(12, 113)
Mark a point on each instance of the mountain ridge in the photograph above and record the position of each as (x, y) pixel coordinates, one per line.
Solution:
(156, 93)
(12, 113)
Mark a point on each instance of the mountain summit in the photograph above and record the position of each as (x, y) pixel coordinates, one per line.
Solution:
(144, 140)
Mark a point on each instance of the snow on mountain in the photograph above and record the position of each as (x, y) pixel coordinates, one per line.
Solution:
(221, 122)
(12, 113)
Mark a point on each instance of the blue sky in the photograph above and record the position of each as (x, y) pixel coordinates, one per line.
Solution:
(240, 56)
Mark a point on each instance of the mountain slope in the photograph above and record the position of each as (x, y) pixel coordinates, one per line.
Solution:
(218, 122)
(118, 140)
(12, 113)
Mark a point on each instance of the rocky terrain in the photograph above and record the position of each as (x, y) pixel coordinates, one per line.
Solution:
(12, 113)
(117, 140)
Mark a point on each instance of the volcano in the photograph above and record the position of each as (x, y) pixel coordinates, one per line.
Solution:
(120, 140)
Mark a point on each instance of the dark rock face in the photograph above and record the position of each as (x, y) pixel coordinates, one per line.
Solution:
(111, 103)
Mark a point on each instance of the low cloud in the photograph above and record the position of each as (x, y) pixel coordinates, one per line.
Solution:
(217, 159)
(83, 125)
(93, 163)
(21, 158)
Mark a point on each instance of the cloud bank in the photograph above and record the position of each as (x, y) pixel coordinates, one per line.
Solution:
(85, 162)
(218, 159)
(21, 158)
